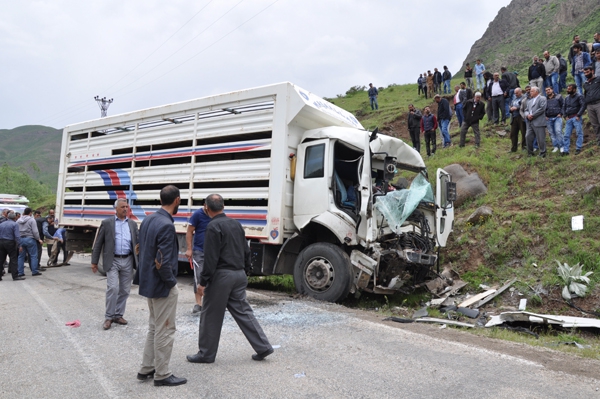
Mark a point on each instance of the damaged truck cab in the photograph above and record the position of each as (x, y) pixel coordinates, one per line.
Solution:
(356, 230)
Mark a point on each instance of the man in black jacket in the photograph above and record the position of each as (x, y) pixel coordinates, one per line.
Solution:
(592, 99)
(414, 126)
(497, 90)
(437, 81)
(536, 74)
(473, 112)
(573, 109)
(223, 282)
(444, 115)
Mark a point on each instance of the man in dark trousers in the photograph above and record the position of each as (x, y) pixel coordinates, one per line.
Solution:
(473, 112)
(194, 238)
(156, 275)
(116, 241)
(414, 126)
(10, 239)
(39, 221)
(223, 281)
(444, 115)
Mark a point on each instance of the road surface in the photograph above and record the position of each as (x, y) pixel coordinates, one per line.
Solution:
(322, 351)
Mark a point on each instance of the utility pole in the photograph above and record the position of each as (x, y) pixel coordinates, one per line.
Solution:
(103, 103)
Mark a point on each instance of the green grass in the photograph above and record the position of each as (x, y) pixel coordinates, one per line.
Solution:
(533, 201)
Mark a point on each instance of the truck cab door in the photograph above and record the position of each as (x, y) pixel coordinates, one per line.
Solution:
(444, 221)
(311, 184)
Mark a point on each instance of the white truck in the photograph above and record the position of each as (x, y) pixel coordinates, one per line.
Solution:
(300, 174)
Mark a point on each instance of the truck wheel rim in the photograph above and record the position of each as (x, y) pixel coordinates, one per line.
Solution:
(319, 274)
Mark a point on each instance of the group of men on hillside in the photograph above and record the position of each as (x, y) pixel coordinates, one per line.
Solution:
(219, 252)
(434, 83)
(22, 238)
(541, 106)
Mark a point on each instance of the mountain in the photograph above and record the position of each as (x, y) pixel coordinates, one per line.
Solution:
(526, 28)
(34, 148)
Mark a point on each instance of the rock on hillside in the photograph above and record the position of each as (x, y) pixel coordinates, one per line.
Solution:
(528, 27)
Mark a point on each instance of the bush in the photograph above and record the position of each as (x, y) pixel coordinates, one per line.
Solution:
(355, 89)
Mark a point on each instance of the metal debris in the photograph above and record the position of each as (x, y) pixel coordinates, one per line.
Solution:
(443, 321)
(476, 298)
(498, 292)
(528, 317)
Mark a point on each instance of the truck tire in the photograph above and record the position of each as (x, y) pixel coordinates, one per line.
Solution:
(322, 271)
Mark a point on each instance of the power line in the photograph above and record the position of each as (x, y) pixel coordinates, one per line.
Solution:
(180, 48)
(204, 49)
(76, 109)
(158, 48)
(84, 104)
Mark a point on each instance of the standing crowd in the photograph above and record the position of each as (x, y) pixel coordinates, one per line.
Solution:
(22, 239)
(220, 255)
(546, 103)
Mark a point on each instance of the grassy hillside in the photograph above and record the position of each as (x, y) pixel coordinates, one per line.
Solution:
(533, 202)
(36, 149)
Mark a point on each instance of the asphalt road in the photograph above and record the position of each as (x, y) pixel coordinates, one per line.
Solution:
(322, 351)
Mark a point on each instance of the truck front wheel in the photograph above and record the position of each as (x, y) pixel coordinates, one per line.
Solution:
(322, 271)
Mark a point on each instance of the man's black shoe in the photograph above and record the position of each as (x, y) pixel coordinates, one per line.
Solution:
(144, 377)
(261, 356)
(37, 274)
(197, 358)
(172, 381)
(577, 152)
(20, 278)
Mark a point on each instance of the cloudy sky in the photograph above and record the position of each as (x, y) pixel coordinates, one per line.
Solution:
(58, 54)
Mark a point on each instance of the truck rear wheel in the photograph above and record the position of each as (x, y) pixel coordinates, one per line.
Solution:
(322, 271)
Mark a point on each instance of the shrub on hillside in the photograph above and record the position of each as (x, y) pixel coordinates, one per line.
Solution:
(355, 89)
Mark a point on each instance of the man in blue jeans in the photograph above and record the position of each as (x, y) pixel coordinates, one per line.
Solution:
(447, 77)
(479, 70)
(552, 66)
(29, 239)
(373, 96)
(444, 116)
(581, 59)
(573, 108)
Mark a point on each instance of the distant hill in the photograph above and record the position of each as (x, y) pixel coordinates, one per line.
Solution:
(526, 28)
(33, 148)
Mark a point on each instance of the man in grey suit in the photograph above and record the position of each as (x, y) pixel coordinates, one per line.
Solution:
(535, 118)
(116, 242)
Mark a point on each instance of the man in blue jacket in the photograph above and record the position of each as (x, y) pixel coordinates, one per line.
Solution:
(156, 276)
(373, 93)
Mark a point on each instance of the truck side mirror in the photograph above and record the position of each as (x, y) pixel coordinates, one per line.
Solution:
(450, 191)
(389, 168)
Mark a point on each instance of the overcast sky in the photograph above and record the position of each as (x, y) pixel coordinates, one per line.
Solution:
(58, 54)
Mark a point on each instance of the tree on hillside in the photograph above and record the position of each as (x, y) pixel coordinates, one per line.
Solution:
(17, 181)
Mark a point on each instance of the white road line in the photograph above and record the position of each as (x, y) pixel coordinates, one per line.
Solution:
(89, 359)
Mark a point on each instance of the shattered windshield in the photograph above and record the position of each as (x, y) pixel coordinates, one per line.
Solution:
(397, 206)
